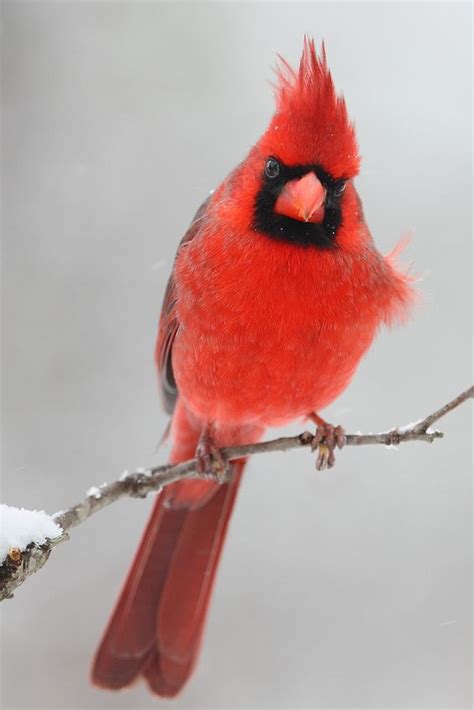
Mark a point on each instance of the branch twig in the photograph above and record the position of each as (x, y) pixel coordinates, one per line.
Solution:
(13, 572)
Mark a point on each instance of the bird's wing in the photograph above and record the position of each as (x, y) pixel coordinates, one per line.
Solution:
(169, 323)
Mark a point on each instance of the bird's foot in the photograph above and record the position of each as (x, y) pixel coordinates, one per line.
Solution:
(210, 460)
(326, 439)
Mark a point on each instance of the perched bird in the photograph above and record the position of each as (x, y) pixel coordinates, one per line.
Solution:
(276, 293)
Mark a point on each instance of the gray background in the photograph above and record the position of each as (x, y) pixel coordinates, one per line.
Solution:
(348, 589)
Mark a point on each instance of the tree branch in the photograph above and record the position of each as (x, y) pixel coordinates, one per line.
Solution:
(17, 567)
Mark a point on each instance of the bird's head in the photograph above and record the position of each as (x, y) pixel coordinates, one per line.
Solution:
(294, 180)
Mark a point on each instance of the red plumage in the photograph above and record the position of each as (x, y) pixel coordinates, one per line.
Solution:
(311, 122)
(260, 326)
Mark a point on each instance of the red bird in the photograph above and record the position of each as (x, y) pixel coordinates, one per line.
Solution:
(276, 293)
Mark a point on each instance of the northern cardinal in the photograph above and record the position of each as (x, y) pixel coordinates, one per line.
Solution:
(276, 293)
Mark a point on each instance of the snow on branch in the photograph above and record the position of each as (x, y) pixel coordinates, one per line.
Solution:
(20, 527)
(28, 537)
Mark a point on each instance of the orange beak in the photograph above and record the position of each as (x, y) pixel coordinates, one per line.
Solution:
(302, 199)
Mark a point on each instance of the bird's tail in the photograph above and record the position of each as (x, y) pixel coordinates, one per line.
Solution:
(156, 627)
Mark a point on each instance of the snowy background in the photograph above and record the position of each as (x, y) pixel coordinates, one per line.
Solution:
(338, 590)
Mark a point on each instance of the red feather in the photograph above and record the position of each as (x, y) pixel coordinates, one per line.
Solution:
(160, 596)
(156, 627)
(311, 124)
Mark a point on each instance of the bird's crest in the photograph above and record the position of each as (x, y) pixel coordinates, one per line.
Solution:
(311, 124)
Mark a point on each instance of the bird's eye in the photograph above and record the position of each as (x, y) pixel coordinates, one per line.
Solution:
(272, 168)
(340, 187)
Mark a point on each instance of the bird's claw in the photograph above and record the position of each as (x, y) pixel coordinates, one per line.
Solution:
(326, 438)
(210, 461)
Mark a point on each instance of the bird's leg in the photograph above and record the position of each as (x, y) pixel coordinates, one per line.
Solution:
(209, 458)
(326, 438)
